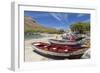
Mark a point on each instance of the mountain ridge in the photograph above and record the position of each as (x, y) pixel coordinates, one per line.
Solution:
(31, 25)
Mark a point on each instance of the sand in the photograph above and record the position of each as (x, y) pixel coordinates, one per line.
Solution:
(31, 56)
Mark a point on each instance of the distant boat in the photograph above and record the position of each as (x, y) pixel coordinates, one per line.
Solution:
(72, 36)
(68, 39)
(65, 42)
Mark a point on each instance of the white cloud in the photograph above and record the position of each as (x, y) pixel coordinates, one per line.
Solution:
(55, 16)
(88, 20)
(80, 15)
(61, 17)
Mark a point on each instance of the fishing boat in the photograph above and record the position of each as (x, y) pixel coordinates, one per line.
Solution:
(71, 39)
(72, 36)
(70, 48)
(65, 42)
(58, 51)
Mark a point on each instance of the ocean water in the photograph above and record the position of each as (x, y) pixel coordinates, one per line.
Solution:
(33, 36)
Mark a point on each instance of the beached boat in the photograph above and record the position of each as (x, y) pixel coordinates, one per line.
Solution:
(65, 42)
(58, 51)
(72, 36)
(70, 48)
(71, 39)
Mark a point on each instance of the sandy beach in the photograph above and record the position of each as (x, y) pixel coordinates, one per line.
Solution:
(31, 56)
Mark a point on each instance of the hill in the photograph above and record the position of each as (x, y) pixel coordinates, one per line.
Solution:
(30, 25)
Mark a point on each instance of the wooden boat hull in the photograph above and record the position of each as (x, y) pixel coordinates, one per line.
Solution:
(58, 55)
(64, 42)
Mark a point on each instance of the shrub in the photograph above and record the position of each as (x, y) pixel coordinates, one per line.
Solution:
(80, 27)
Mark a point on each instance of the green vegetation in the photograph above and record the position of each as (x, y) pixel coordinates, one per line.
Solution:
(80, 27)
(61, 31)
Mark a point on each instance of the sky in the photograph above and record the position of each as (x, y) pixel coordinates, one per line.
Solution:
(58, 20)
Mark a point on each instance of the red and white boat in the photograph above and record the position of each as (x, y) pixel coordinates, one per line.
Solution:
(71, 52)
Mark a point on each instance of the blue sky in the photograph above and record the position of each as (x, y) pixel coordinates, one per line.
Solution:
(58, 20)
